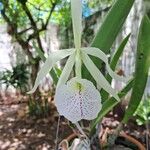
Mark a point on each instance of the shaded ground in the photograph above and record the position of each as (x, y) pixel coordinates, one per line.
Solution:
(20, 132)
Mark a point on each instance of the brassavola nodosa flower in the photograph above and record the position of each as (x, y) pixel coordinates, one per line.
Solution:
(78, 98)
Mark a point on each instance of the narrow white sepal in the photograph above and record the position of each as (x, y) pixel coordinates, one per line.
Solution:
(101, 55)
(98, 76)
(67, 70)
(76, 10)
(49, 63)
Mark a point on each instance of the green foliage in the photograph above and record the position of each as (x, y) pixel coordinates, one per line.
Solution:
(16, 13)
(142, 68)
(6, 77)
(98, 3)
(62, 14)
(18, 77)
(22, 1)
(38, 109)
(38, 9)
(142, 113)
(104, 40)
(112, 24)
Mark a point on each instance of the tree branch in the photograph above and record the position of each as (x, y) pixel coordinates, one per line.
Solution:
(24, 31)
(50, 14)
(13, 27)
(34, 26)
(44, 27)
(27, 11)
(39, 9)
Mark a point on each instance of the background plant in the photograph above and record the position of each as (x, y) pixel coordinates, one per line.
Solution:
(39, 108)
(18, 77)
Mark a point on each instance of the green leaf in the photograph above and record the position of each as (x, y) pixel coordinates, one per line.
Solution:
(109, 104)
(58, 71)
(141, 69)
(118, 53)
(110, 29)
(113, 64)
(112, 25)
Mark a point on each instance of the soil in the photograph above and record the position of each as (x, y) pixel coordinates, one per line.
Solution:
(19, 131)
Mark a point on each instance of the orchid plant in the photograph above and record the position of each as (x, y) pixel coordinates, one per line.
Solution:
(78, 98)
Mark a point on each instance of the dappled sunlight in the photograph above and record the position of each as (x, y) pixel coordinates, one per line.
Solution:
(21, 132)
(74, 74)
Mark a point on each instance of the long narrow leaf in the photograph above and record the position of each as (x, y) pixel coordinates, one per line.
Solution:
(142, 68)
(113, 64)
(112, 25)
(118, 53)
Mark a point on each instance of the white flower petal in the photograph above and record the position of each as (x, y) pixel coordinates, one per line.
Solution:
(49, 63)
(67, 70)
(98, 76)
(98, 53)
(76, 10)
(78, 99)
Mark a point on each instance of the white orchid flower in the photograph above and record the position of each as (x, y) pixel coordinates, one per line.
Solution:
(78, 99)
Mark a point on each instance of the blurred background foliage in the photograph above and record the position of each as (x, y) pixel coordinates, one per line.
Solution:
(18, 77)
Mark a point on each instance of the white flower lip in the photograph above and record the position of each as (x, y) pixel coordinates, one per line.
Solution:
(77, 100)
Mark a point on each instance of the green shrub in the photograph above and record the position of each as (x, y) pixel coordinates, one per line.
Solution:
(18, 77)
(38, 108)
